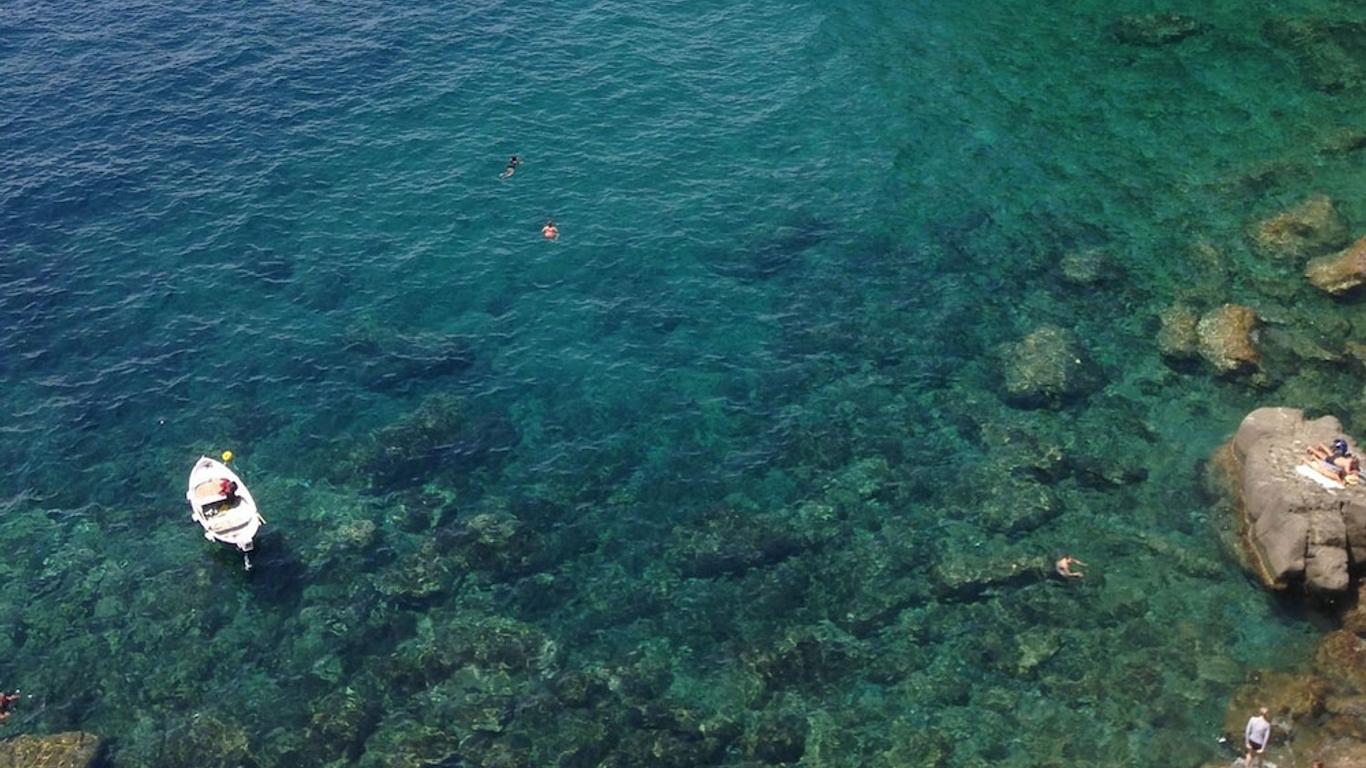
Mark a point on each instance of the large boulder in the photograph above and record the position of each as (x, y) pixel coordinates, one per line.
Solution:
(1227, 339)
(1295, 529)
(1313, 227)
(73, 749)
(1339, 272)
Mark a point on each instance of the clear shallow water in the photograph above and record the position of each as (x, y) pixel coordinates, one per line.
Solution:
(688, 486)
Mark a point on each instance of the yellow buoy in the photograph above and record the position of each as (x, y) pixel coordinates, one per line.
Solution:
(227, 455)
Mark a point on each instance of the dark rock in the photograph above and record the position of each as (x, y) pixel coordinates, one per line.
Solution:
(407, 744)
(1329, 53)
(418, 577)
(729, 544)
(965, 578)
(806, 657)
(341, 721)
(1152, 29)
(439, 438)
(204, 740)
(1089, 267)
(493, 541)
(582, 688)
(1015, 505)
(780, 739)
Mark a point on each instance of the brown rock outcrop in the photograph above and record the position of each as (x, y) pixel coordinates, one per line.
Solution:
(73, 749)
(1226, 338)
(1294, 529)
(1177, 339)
(1313, 227)
(1339, 272)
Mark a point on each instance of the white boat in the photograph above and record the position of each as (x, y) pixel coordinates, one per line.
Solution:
(230, 518)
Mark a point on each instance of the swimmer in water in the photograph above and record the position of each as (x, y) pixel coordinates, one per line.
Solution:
(7, 702)
(550, 231)
(1064, 567)
(511, 168)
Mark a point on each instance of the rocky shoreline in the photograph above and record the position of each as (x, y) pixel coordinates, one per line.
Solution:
(1298, 537)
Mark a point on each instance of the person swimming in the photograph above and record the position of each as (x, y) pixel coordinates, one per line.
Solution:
(1064, 567)
(511, 168)
(7, 702)
(550, 231)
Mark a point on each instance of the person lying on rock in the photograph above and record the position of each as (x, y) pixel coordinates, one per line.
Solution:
(1336, 462)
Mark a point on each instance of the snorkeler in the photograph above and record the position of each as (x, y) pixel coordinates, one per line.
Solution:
(550, 231)
(511, 168)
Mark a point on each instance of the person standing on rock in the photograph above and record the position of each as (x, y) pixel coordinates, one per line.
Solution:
(1255, 736)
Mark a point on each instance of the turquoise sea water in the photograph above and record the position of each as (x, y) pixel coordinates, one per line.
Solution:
(726, 475)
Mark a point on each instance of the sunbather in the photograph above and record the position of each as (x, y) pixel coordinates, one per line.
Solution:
(1336, 462)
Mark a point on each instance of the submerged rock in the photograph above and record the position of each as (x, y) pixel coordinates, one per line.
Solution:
(73, 749)
(1154, 28)
(418, 576)
(1047, 367)
(1087, 267)
(1339, 272)
(1226, 338)
(340, 723)
(1313, 227)
(496, 542)
(1294, 529)
(1034, 647)
(400, 743)
(442, 437)
(1329, 53)
(780, 739)
(964, 578)
(807, 656)
(204, 740)
(731, 544)
(1177, 339)
(1015, 505)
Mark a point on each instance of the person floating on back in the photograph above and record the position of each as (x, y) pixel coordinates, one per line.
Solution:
(511, 168)
(550, 231)
(1064, 567)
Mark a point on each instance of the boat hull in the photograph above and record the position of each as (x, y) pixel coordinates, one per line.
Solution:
(235, 521)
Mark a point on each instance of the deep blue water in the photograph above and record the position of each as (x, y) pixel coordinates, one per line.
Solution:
(690, 485)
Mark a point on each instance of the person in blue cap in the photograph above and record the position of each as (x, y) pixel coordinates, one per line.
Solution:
(1336, 461)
